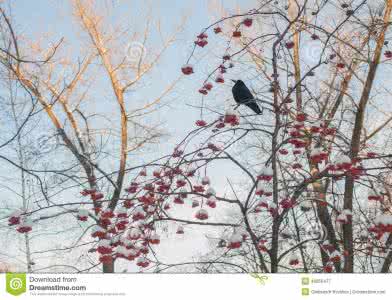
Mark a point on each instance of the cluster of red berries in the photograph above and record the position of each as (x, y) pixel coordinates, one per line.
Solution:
(201, 40)
(206, 88)
(93, 193)
(382, 225)
(21, 221)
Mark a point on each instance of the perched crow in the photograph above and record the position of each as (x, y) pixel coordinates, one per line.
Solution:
(242, 95)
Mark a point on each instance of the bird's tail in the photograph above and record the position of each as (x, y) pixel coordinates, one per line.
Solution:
(253, 106)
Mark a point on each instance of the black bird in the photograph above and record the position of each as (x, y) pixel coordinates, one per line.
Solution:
(242, 95)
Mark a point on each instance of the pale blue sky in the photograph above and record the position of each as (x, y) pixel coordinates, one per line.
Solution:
(33, 18)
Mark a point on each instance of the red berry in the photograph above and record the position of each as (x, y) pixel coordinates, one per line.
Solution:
(178, 200)
(23, 228)
(208, 86)
(248, 22)
(201, 43)
(219, 79)
(301, 117)
(211, 202)
(14, 219)
(296, 166)
(294, 262)
(202, 214)
(180, 230)
(296, 152)
(203, 91)
(105, 259)
(202, 36)
(217, 30)
(328, 268)
(187, 69)
(96, 196)
(201, 123)
(283, 151)
(222, 69)
(237, 34)
(290, 45)
(142, 262)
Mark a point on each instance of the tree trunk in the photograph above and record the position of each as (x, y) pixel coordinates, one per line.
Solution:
(356, 139)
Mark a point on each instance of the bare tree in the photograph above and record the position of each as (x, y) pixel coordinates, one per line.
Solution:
(62, 89)
(293, 203)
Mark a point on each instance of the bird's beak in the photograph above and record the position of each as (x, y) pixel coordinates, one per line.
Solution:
(234, 80)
